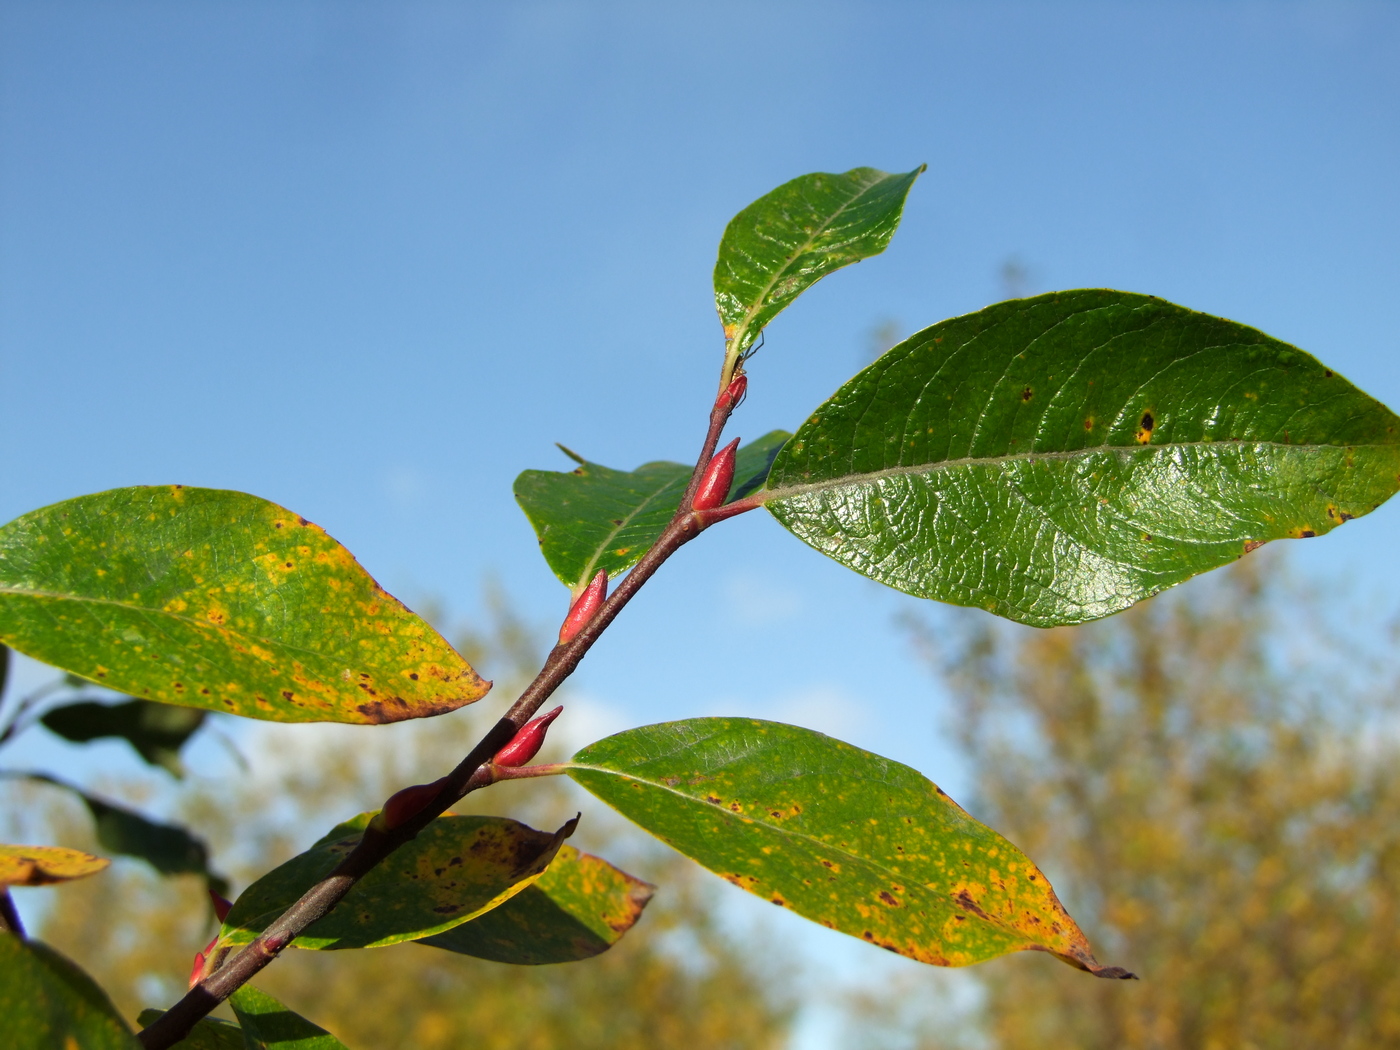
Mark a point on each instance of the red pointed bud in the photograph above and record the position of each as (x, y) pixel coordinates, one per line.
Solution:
(526, 744)
(402, 805)
(585, 607)
(197, 971)
(221, 906)
(731, 395)
(718, 476)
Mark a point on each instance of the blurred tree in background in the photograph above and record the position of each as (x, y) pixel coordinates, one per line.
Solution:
(679, 981)
(1216, 792)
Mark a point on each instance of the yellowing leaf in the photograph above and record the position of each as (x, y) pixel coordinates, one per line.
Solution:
(41, 865)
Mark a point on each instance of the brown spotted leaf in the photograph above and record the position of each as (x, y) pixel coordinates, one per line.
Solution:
(456, 869)
(221, 600)
(41, 865)
(580, 907)
(848, 839)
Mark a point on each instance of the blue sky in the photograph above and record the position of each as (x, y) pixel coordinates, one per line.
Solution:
(370, 260)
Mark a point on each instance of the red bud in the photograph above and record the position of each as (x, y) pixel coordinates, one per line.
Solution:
(718, 476)
(526, 744)
(197, 971)
(402, 805)
(585, 607)
(221, 906)
(731, 395)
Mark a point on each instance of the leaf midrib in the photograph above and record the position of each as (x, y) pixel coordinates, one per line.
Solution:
(591, 567)
(1122, 451)
(742, 328)
(826, 846)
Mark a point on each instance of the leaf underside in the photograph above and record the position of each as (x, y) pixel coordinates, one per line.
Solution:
(268, 1025)
(219, 600)
(458, 867)
(42, 865)
(785, 241)
(1056, 459)
(47, 1002)
(853, 841)
(580, 907)
(594, 518)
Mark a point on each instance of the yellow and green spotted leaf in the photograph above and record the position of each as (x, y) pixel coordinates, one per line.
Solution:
(1056, 459)
(209, 1033)
(580, 907)
(594, 518)
(220, 600)
(42, 865)
(848, 839)
(48, 1003)
(456, 869)
(268, 1025)
(782, 243)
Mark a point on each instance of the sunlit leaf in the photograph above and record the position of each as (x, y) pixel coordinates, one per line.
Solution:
(782, 243)
(41, 865)
(268, 1025)
(209, 1033)
(595, 518)
(220, 600)
(457, 868)
(1056, 459)
(848, 839)
(47, 1003)
(156, 731)
(581, 906)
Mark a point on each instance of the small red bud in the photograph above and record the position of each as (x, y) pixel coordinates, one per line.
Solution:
(526, 744)
(731, 395)
(221, 906)
(585, 607)
(402, 805)
(197, 971)
(718, 476)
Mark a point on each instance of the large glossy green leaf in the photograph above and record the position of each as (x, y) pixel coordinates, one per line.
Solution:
(782, 243)
(1056, 459)
(155, 731)
(456, 869)
(42, 865)
(268, 1025)
(848, 839)
(221, 600)
(595, 518)
(209, 1033)
(581, 906)
(168, 848)
(47, 1003)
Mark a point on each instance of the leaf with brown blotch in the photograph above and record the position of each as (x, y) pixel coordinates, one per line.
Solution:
(42, 865)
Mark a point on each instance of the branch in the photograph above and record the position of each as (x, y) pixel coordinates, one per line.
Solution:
(9, 917)
(472, 772)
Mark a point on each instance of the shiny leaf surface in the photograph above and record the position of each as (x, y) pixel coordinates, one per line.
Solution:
(41, 865)
(1054, 460)
(457, 868)
(788, 239)
(220, 600)
(209, 1033)
(155, 731)
(46, 1003)
(595, 518)
(580, 907)
(848, 839)
(268, 1025)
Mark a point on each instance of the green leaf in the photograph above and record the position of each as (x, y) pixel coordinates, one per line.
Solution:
(156, 731)
(169, 849)
(209, 1033)
(457, 868)
(848, 839)
(42, 865)
(46, 1002)
(596, 518)
(268, 1025)
(580, 907)
(1054, 460)
(220, 600)
(787, 240)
